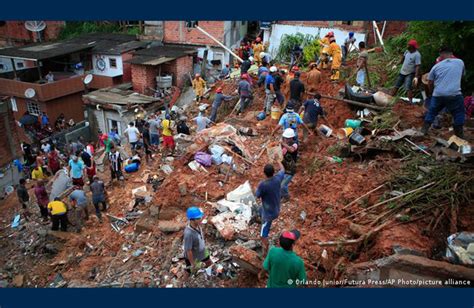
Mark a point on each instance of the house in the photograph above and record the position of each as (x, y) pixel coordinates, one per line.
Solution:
(9, 146)
(102, 55)
(14, 33)
(160, 63)
(230, 33)
(117, 106)
(363, 30)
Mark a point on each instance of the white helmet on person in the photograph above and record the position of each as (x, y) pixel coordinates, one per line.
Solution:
(289, 133)
(251, 59)
(262, 54)
(273, 69)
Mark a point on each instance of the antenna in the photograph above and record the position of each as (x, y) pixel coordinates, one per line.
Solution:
(30, 93)
(88, 79)
(35, 26)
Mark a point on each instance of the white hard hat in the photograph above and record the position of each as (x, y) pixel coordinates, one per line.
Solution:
(262, 54)
(273, 69)
(289, 133)
(251, 59)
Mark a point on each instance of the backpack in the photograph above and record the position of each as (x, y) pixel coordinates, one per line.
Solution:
(291, 120)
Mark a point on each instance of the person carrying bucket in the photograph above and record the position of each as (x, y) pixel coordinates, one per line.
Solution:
(312, 110)
(291, 120)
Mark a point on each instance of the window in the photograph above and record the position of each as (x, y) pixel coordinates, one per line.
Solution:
(113, 63)
(349, 22)
(20, 65)
(112, 124)
(33, 108)
(191, 23)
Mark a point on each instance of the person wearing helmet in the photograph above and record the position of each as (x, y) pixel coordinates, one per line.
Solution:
(245, 66)
(284, 266)
(324, 53)
(269, 191)
(266, 58)
(313, 78)
(346, 48)
(199, 86)
(270, 89)
(410, 72)
(289, 148)
(218, 99)
(290, 120)
(244, 89)
(196, 254)
(258, 48)
(336, 54)
(312, 110)
(295, 55)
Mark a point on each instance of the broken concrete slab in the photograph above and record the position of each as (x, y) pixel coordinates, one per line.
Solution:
(247, 259)
(169, 226)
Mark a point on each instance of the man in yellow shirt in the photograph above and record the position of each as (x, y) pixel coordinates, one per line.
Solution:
(336, 54)
(168, 140)
(37, 173)
(58, 212)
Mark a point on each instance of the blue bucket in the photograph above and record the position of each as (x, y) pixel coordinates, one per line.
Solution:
(261, 116)
(132, 167)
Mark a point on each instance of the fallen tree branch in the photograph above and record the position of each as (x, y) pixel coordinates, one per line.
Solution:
(364, 195)
(379, 108)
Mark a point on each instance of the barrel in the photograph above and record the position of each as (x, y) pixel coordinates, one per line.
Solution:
(163, 82)
(352, 123)
(275, 113)
(344, 132)
(133, 167)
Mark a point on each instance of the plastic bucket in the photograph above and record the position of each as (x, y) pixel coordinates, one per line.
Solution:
(261, 116)
(356, 139)
(352, 123)
(131, 167)
(326, 131)
(276, 113)
(344, 132)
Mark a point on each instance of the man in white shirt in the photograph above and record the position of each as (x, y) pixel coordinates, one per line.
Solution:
(133, 135)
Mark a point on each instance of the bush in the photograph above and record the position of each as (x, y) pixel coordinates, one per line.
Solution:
(310, 51)
(76, 28)
(289, 41)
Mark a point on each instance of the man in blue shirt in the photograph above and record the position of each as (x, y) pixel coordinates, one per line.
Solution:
(269, 191)
(76, 170)
(444, 80)
(44, 120)
(291, 120)
(312, 110)
(270, 89)
(262, 74)
(79, 201)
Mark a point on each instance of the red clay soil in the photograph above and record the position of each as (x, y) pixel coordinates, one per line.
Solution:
(319, 192)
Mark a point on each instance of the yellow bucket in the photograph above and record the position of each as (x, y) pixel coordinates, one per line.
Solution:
(275, 113)
(344, 132)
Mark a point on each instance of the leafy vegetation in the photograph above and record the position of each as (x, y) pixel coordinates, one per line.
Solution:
(311, 50)
(75, 28)
(289, 41)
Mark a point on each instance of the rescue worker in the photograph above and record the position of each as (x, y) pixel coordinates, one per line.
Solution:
(444, 81)
(196, 254)
(313, 78)
(245, 66)
(284, 266)
(199, 86)
(291, 120)
(270, 89)
(297, 90)
(346, 48)
(257, 49)
(289, 149)
(335, 53)
(324, 54)
(58, 211)
(245, 92)
(312, 110)
(362, 64)
(410, 72)
(218, 99)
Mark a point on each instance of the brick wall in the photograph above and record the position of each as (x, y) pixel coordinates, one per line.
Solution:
(6, 153)
(15, 33)
(392, 28)
(143, 77)
(176, 32)
(127, 67)
(184, 66)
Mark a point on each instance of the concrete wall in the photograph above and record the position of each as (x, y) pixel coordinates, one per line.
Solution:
(278, 30)
(108, 70)
(102, 117)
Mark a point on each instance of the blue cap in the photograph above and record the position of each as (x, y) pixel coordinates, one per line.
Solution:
(194, 213)
(351, 34)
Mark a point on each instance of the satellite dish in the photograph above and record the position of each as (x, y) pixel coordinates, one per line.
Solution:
(30, 93)
(88, 79)
(35, 25)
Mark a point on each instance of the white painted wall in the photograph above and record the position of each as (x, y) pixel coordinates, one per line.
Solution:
(8, 67)
(278, 31)
(108, 71)
(111, 115)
